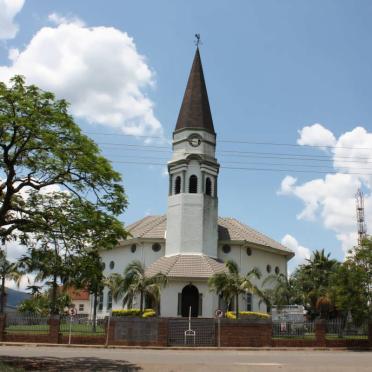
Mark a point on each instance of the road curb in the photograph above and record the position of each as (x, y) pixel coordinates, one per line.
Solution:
(82, 346)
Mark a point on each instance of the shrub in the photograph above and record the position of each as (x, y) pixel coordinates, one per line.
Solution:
(247, 315)
(147, 313)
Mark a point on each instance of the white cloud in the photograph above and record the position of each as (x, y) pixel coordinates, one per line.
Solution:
(331, 199)
(8, 10)
(301, 253)
(97, 69)
(316, 135)
(59, 19)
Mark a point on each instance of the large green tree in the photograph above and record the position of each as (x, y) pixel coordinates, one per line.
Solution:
(41, 146)
(231, 284)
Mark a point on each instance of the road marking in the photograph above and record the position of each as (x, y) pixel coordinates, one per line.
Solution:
(260, 364)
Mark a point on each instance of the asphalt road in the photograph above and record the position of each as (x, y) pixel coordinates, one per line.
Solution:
(133, 360)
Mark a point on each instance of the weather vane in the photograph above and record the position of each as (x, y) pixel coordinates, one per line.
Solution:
(197, 41)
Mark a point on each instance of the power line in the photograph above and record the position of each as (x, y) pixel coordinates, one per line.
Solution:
(259, 143)
(255, 169)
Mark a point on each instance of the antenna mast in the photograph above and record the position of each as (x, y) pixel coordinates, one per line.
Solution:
(362, 230)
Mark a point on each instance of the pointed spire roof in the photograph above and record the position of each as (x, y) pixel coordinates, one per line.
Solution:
(195, 111)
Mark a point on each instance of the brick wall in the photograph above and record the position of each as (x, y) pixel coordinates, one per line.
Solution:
(240, 333)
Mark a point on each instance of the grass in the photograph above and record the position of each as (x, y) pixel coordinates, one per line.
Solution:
(7, 368)
(347, 337)
(76, 329)
(305, 337)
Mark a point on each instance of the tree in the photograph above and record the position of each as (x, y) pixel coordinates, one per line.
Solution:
(134, 282)
(61, 234)
(314, 281)
(10, 271)
(41, 146)
(88, 274)
(283, 290)
(231, 284)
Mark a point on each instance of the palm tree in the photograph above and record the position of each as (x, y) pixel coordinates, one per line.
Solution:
(10, 271)
(231, 284)
(134, 282)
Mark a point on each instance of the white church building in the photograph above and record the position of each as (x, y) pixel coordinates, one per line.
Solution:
(191, 242)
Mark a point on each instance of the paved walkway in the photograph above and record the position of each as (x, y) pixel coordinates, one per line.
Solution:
(133, 360)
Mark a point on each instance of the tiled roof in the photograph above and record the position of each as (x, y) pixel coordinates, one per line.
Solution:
(186, 266)
(153, 227)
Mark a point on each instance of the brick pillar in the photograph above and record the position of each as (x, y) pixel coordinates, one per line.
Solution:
(369, 333)
(54, 335)
(320, 332)
(162, 332)
(110, 328)
(2, 326)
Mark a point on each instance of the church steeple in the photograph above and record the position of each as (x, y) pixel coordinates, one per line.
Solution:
(195, 112)
(193, 173)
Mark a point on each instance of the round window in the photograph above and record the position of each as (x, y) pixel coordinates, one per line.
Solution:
(226, 249)
(156, 247)
(103, 266)
(249, 251)
(133, 248)
(277, 271)
(112, 264)
(268, 268)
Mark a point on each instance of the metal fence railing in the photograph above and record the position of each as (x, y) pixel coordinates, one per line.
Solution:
(82, 325)
(24, 323)
(293, 329)
(339, 328)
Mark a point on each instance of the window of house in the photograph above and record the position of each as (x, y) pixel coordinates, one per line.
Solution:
(249, 301)
(208, 186)
(268, 268)
(112, 264)
(226, 249)
(193, 184)
(249, 251)
(277, 270)
(100, 302)
(133, 248)
(109, 300)
(81, 307)
(156, 247)
(103, 266)
(177, 186)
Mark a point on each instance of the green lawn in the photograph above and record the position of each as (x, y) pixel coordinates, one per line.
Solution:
(76, 329)
(305, 337)
(347, 337)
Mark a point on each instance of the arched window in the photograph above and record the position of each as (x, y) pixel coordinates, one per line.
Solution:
(193, 184)
(208, 186)
(177, 186)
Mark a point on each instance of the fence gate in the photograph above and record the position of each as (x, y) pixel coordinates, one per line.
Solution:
(204, 332)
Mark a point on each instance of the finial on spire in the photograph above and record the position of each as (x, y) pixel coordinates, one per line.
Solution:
(197, 40)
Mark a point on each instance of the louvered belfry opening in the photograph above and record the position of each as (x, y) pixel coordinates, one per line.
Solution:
(193, 184)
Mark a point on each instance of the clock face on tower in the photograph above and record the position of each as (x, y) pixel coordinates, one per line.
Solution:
(194, 140)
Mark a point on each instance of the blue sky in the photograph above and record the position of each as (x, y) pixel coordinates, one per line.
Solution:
(271, 67)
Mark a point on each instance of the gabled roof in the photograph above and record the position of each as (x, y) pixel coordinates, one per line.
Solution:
(195, 111)
(186, 266)
(153, 227)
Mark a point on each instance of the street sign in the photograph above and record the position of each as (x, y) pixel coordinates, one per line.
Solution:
(72, 311)
(218, 313)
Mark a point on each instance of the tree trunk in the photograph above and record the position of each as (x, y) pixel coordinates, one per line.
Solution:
(237, 306)
(141, 302)
(2, 295)
(94, 312)
(54, 308)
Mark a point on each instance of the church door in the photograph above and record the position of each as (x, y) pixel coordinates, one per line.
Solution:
(190, 297)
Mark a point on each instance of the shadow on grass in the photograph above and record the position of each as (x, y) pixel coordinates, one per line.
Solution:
(50, 364)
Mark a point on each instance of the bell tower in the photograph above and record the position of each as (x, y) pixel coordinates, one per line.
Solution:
(193, 173)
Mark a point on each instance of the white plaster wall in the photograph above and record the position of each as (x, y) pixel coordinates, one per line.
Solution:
(86, 304)
(169, 297)
(192, 224)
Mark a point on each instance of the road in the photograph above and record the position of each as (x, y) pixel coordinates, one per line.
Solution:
(148, 360)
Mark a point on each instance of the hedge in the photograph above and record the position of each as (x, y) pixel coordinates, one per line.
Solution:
(147, 313)
(247, 315)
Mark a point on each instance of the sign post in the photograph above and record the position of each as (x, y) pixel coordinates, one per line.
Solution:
(218, 314)
(72, 312)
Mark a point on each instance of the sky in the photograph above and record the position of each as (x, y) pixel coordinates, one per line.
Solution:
(289, 85)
